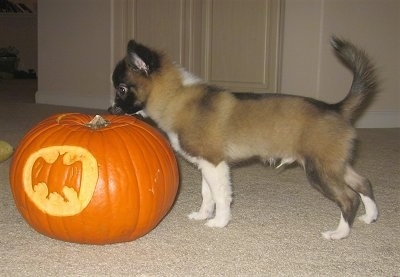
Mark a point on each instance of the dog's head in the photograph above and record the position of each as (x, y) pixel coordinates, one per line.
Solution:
(132, 78)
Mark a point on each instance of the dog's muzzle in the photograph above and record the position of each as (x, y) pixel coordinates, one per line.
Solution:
(115, 110)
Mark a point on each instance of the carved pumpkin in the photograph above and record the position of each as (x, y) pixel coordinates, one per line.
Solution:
(101, 181)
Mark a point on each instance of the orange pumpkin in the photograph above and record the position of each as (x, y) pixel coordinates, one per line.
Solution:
(99, 181)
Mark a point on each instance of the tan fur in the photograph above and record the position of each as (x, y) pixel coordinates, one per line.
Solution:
(215, 128)
(232, 129)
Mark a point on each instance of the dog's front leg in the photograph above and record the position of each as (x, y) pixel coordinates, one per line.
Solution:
(207, 206)
(218, 179)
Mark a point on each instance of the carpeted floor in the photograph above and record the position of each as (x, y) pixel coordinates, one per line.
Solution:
(275, 230)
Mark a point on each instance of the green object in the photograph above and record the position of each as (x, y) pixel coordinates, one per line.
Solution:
(6, 150)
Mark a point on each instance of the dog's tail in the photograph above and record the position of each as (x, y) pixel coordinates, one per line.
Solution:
(364, 77)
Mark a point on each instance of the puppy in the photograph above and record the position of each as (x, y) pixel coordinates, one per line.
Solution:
(212, 127)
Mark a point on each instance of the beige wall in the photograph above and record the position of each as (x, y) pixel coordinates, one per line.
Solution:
(74, 52)
(310, 68)
(79, 42)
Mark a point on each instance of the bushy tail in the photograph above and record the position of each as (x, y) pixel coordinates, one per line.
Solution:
(364, 78)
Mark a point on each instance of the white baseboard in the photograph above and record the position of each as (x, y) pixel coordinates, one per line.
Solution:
(73, 100)
(379, 119)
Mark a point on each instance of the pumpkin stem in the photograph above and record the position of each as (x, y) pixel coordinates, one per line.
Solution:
(97, 123)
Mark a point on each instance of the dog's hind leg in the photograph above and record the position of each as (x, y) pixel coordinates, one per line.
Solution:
(218, 179)
(364, 188)
(333, 186)
(207, 206)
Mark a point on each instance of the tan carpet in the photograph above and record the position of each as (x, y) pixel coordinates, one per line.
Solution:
(275, 230)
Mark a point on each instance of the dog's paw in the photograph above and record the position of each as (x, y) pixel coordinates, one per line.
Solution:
(217, 222)
(342, 231)
(368, 218)
(371, 210)
(335, 235)
(199, 216)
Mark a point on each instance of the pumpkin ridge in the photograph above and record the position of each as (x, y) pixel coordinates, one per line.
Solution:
(156, 144)
(162, 145)
(110, 194)
(29, 138)
(137, 171)
(137, 138)
(149, 172)
(131, 165)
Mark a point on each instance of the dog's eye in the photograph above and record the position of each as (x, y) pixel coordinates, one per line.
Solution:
(122, 89)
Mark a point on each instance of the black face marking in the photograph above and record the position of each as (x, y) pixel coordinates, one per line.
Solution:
(125, 101)
(122, 91)
(118, 75)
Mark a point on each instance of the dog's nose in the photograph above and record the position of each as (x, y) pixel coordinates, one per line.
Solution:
(115, 110)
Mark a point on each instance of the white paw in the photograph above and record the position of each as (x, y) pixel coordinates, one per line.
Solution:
(199, 216)
(342, 231)
(368, 218)
(371, 210)
(336, 235)
(217, 222)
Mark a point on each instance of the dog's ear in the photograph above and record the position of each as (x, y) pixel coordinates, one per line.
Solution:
(141, 58)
